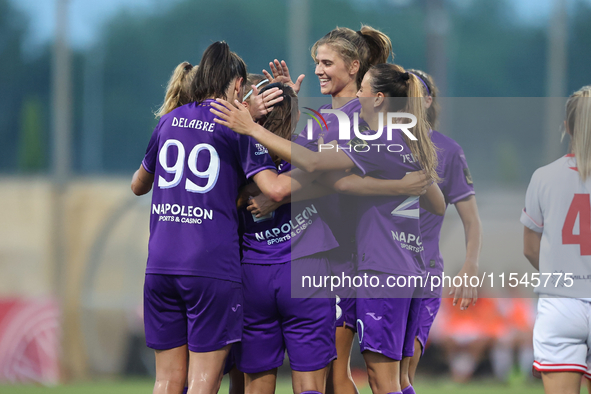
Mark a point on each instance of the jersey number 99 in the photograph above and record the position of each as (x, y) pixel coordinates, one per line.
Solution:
(211, 173)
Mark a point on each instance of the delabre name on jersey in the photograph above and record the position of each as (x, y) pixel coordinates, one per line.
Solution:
(193, 124)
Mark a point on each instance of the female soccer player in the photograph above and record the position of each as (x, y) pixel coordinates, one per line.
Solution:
(557, 241)
(342, 58)
(457, 188)
(192, 291)
(379, 253)
(273, 320)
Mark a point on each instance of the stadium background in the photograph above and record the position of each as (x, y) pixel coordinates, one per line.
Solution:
(76, 115)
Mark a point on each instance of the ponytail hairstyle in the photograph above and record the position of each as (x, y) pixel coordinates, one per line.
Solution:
(393, 81)
(218, 68)
(283, 119)
(178, 90)
(578, 122)
(430, 90)
(368, 45)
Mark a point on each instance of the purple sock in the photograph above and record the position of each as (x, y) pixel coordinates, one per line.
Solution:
(398, 392)
(185, 390)
(311, 392)
(408, 390)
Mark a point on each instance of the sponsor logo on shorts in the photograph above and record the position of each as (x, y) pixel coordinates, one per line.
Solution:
(235, 308)
(373, 315)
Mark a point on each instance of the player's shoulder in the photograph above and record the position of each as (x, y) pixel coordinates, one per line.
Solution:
(442, 141)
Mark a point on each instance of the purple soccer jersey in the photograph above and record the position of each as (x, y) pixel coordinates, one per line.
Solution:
(337, 208)
(456, 185)
(267, 240)
(388, 234)
(198, 166)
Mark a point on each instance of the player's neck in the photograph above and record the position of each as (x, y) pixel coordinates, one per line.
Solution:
(347, 94)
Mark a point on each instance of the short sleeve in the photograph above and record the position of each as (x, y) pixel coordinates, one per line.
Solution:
(358, 152)
(151, 156)
(459, 180)
(531, 216)
(254, 157)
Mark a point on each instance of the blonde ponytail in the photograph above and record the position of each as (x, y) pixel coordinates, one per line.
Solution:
(578, 120)
(178, 90)
(423, 149)
(393, 81)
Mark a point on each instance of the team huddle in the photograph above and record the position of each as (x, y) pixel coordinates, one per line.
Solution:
(243, 208)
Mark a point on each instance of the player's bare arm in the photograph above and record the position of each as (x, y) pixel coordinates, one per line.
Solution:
(142, 181)
(531, 246)
(468, 211)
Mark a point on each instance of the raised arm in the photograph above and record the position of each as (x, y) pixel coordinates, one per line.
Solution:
(280, 73)
(142, 181)
(237, 118)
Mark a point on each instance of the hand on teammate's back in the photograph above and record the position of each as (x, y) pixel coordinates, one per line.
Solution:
(415, 183)
(281, 74)
(245, 193)
(261, 205)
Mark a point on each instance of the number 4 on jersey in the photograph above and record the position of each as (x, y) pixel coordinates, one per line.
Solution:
(580, 207)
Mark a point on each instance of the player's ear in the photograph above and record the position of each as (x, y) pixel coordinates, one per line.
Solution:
(379, 99)
(238, 87)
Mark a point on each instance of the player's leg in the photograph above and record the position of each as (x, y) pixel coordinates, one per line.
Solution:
(261, 382)
(382, 327)
(414, 361)
(236, 381)
(214, 319)
(165, 325)
(339, 378)
(171, 370)
(262, 349)
(206, 370)
(562, 382)
(561, 332)
(427, 312)
(408, 349)
(308, 326)
(382, 372)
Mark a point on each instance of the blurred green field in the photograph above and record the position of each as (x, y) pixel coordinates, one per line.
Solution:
(284, 387)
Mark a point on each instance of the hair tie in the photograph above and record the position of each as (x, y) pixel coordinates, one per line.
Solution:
(359, 32)
(258, 85)
(188, 67)
(405, 76)
(423, 82)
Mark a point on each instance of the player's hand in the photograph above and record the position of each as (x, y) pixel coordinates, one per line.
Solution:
(261, 205)
(280, 73)
(245, 193)
(262, 104)
(415, 183)
(466, 293)
(236, 116)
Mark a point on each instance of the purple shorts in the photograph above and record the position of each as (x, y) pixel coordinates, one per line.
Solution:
(274, 322)
(204, 313)
(346, 313)
(388, 325)
(428, 310)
